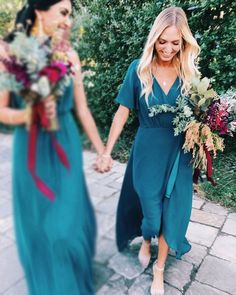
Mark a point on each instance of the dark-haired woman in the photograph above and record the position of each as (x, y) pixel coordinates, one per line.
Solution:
(55, 239)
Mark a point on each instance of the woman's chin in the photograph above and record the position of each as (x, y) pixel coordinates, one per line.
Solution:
(165, 58)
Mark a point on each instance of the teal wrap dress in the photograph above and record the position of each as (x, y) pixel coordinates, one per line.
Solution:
(55, 239)
(156, 195)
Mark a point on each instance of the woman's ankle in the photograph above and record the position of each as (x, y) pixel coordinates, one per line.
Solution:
(147, 242)
(160, 264)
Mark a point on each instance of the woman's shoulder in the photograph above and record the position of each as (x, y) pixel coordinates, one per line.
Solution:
(134, 64)
(133, 68)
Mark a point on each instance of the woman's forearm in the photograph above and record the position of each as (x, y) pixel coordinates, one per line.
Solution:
(117, 126)
(89, 126)
(13, 117)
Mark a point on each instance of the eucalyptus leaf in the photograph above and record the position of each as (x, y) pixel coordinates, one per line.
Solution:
(194, 83)
(203, 86)
(201, 102)
(210, 93)
(194, 98)
(9, 83)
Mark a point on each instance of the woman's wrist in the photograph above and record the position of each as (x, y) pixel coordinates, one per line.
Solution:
(106, 156)
(17, 117)
(10, 118)
(107, 152)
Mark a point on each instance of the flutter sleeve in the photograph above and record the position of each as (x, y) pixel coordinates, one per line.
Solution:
(128, 95)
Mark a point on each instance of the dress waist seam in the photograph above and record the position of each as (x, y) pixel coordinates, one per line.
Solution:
(144, 127)
(59, 114)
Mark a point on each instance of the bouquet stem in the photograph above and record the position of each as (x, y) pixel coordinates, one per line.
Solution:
(36, 114)
(29, 115)
(53, 124)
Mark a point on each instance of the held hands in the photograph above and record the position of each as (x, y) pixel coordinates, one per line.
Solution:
(103, 163)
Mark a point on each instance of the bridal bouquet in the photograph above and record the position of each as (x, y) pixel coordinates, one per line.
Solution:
(204, 116)
(36, 68)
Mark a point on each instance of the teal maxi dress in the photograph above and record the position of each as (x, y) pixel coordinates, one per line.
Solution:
(156, 195)
(55, 239)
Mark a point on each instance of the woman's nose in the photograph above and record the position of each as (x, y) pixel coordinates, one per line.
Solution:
(68, 23)
(168, 48)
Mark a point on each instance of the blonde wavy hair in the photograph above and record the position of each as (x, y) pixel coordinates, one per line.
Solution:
(184, 61)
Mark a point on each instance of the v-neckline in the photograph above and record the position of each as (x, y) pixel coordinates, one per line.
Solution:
(166, 94)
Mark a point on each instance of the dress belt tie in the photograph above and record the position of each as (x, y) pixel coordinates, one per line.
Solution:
(173, 175)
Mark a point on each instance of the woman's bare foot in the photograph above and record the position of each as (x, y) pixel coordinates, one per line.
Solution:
(157, 287)
(144, 254)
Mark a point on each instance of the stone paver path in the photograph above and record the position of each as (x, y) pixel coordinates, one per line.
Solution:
(208, 269)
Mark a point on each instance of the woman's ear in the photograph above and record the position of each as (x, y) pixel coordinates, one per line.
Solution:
(38, 29)
(38, 14)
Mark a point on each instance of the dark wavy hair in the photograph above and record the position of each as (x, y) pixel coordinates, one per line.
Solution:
(25, 18)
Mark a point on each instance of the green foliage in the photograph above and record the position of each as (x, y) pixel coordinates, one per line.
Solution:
(183, 113)
(5, 20)
(8, 11)
(225, 176)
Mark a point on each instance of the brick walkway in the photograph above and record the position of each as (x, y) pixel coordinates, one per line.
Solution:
(209, 269)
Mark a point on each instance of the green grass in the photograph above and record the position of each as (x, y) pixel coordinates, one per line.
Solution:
(225, 176)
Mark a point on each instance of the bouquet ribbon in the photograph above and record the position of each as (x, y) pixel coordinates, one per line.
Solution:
(209, 169)
(39, 118)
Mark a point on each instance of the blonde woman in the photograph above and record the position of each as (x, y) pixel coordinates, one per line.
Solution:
(156, 195)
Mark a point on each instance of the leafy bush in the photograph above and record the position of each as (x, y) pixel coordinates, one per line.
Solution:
(5, 20)
(214, 25)
(225, 176)
(8, 11)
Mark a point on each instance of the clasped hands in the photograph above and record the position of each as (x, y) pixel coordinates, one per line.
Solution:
(103, 163)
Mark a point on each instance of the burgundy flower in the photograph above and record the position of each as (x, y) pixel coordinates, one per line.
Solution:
(54, 72)
(217, 117)
(17, 70)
